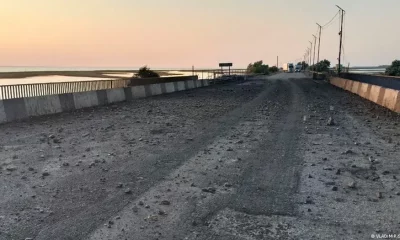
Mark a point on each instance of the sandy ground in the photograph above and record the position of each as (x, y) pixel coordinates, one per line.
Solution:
(253, 160)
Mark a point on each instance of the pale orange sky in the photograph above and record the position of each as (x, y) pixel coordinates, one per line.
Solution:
(179, 33)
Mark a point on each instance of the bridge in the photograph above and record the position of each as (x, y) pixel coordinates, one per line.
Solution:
(256, 157)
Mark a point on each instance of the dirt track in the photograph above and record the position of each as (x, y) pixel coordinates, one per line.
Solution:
(238, 161)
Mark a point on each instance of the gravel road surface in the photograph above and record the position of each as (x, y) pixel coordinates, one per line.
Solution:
(279, 157)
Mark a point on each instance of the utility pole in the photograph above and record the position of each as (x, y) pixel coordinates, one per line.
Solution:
(319, 40)
(315, 43)
(341, 37)
(277, 58)
(307, 55)
(310, 52)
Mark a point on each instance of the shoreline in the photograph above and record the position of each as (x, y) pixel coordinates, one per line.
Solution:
(93, 74)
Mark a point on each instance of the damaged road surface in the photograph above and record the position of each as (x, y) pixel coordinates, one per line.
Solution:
(280, 157)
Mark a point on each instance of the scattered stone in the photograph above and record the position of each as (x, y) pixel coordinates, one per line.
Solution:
(325, 159)
(161, 213)
(354, 166)
(397, 193)
(31, 169)
(11, 168)
(120, 185)
(330, 122)
(87, 149)
(147, 206)
(45, 174)
(229, 149)
(379, 195)
(141, 203)
(327, 168)
(310, 176)
(209, 190)
(128, 191)
(338, 172)
(309, 201)
(65, 164)
(348, 152)
(52, 136)
(56, 140)
(228, 185)
(330, 183)
(165, 202)
(135, 209)
(339, 199)
(385, 172)
(85, 135)
(334, 188)
(352, 184)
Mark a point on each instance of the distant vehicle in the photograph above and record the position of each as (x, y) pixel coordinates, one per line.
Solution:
(298, 68)
(288, 67)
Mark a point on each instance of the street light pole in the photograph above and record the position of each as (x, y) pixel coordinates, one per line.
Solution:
(319, 41)
(315, 43)
(341, 37)
(310, 51)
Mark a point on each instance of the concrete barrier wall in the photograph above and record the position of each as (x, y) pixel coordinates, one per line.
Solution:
(36, 106)
(386, 97)
(155, 89)
(22, 108)
(190, 84)
(115, 95)
(85, 99)
(3, 117)
(181, 86)
(138, 91)
(170, 87)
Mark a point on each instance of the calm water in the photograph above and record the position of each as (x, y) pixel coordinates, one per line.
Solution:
(124, 75)
(47, 79)
(367, 70)
(40, 69)
(107, 76)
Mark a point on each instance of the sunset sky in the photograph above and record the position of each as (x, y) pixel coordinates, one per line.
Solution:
(182, 33)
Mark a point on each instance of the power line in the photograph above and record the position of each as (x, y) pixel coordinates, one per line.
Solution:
(331, 20)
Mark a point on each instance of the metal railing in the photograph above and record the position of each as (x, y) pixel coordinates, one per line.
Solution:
(43, 89)
(215, 73)
(392, 82)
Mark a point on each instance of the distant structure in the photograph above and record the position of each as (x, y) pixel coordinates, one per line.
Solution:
(229, 65)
